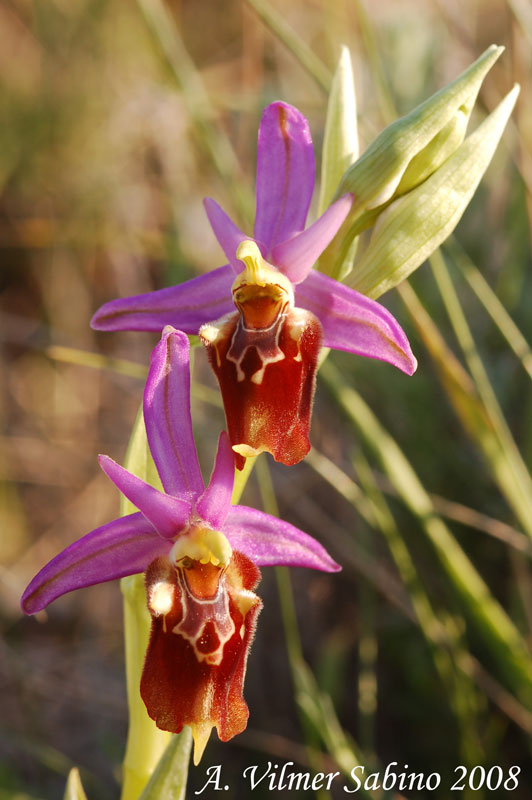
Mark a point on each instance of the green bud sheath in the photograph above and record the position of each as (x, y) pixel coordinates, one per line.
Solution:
(340, 150)
(414, 225)
(414, 146)
(340, 141)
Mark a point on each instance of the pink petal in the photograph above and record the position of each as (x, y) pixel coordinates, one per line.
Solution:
(215, 502)
(355, 323)
(186, 306)
(225, 230)
(270, 542)
(296, 257)
(167, 417)
(285, 174)
(167, 514)
(119, 548)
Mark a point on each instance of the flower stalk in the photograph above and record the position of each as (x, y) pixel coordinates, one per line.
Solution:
(146, 744)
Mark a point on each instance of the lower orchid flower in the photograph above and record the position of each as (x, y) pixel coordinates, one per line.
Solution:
(200, 555)
(265, 353)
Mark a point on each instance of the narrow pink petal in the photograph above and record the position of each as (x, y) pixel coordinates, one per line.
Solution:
(285, 174)
(225, 230)
(215, 502)
(296, 256)
(167, 417)
(270, 542)
(186, 306)
(167, 514)
(355, 323)
(119, 548)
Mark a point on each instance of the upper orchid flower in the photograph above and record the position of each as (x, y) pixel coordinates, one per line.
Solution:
(265, 353)
(200, 555)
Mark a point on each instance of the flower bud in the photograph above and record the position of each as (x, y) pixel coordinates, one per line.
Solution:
(414, 225)
(340, 140)
(416, 145)
(340, 150)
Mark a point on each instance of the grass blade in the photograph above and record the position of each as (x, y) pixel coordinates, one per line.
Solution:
(490, 619)
(276, 22)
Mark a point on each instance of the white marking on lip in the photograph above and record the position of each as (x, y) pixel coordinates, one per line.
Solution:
(264, 340)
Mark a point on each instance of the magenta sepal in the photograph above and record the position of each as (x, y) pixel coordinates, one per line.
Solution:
(185, 306)
(122, 547)
(167, 514)
(167, 416)
(296, 257)
(355, 323)
(270, 542)
(215, 502)
(226, 232)
(285, 174)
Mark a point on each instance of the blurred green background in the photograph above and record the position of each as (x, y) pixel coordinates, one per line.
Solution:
(117, 117)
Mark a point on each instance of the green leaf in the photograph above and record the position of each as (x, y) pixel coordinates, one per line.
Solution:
(451, 657)
(494, 438)
(485, 612)
(414, 225)
(170, 778)
(74, 789)
(487, 297)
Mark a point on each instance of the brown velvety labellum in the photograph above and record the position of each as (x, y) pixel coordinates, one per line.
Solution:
(178, 688)
(267, 379)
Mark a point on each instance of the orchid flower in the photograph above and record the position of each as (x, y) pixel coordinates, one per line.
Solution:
(200, 555)
(265, 353)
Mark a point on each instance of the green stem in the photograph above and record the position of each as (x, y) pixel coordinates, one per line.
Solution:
(241, 478)
(145, 742)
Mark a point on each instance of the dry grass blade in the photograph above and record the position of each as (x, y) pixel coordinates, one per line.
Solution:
(458, 512)
(295, 43)
(499, 448)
